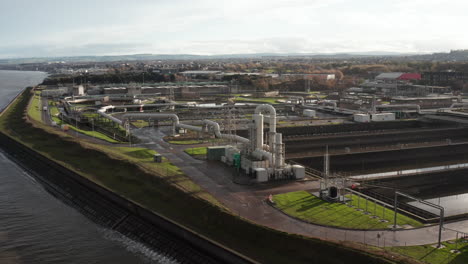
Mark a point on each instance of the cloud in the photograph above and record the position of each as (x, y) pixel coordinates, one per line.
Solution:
(51, 27)
(71, 50)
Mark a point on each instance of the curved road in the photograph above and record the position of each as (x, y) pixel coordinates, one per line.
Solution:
(249, 201)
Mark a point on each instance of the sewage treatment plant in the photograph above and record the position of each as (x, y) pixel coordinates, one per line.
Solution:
(392, 176)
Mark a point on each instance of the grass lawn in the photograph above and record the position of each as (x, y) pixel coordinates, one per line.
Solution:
(268, 100)
(320, 96)
(143, 158)
(432, 255)
(140, 123)
(113, 168)
(196, 151)
(90, 115)
(53, 110)
(94, 134)
(54, 114)
(35, 109)
(306, 206)
(185, 142)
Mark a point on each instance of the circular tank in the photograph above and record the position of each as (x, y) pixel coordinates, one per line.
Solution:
(333, 192)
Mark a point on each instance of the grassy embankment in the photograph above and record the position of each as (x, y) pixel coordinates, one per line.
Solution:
(432, 255)
(35, 109)
(242, 98)
(54, 112)
(267, 100)
(196, 151)
(140, 123)
(307, 207)
(135, 181)
(186, 142)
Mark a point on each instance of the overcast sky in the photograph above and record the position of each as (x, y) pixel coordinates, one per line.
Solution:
(112, 27)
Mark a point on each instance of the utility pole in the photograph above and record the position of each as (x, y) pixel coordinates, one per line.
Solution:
(326, 163)
(76, 122)
(395, 203)
(92, 124)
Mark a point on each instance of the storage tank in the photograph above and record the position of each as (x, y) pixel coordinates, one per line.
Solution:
(309, 113)
(215, 152)
(157, 158)
(383, 117)
(361, 118)
(333, 192)
(298, 171)
(261, 174)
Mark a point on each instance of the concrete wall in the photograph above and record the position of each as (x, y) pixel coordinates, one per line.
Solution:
(123, 215)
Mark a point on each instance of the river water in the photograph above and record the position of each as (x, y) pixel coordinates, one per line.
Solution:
(37, 228)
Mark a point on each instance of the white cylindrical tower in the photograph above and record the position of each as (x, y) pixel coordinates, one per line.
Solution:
(272, 122)
(279, 152)
(272, 142)
(258, 130)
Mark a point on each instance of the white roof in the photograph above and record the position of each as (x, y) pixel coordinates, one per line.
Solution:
(389, 75)
(200, 72)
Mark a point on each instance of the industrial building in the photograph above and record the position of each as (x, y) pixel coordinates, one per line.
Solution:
(398, 76)
(320, 76)
(426, 102)
(200, 74)
(443, 77)
(260, 156)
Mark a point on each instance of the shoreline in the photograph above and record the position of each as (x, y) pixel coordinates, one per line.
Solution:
(223, 227)
(110, 203)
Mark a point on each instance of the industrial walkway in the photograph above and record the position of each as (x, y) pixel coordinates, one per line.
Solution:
(249, 201)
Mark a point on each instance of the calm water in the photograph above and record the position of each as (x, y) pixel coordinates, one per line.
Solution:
(37, 228)
(453, 204)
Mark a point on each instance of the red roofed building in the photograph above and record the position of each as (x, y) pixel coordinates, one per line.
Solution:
(409, 77)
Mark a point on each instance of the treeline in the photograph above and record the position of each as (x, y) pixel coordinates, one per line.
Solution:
(128, 77)
(341, 69)
(370, 70)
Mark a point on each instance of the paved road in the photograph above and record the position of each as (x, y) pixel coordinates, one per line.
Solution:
(45, 114)
(249, 201)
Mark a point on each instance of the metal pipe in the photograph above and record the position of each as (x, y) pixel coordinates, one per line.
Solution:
(146, 105)
(103, 113)
(218, 134)
(278, 153)
(441, 215)
(190, 127)
(418, 108)
(272, 111)
(173, 117)
(272, 123)
(458, 104)
(261, 154)
(258, 130)
(300, 99)
(330, 103)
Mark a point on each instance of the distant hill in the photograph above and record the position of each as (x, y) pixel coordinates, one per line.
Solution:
(454, 55)
(185, 57)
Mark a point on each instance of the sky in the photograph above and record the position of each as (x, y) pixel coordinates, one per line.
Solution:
(52, 28)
